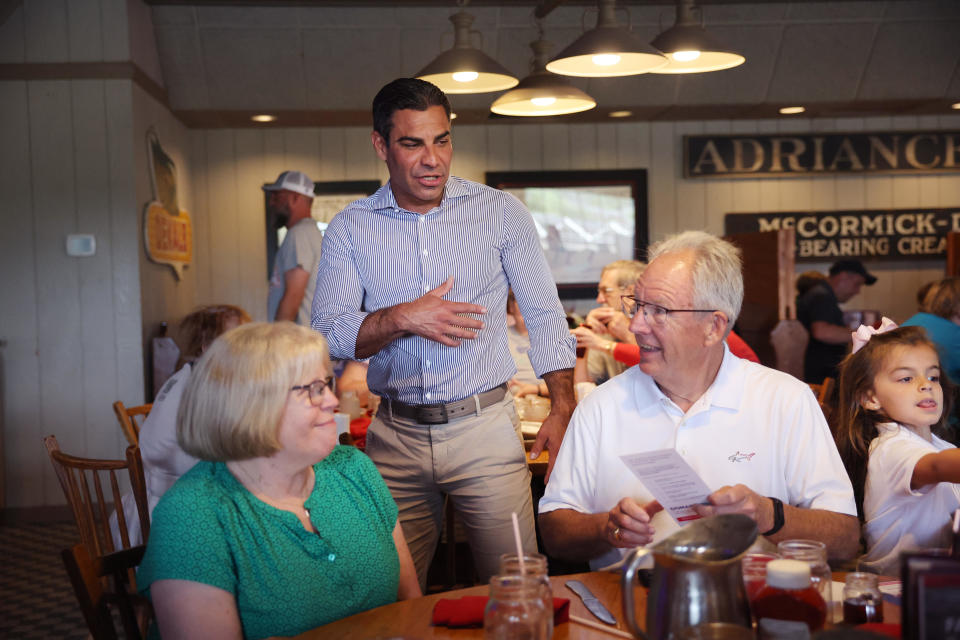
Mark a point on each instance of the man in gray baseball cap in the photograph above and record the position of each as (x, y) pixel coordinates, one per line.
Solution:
(294, 275)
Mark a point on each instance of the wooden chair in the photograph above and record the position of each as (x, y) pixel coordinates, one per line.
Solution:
(88, 575)
(83, 481)
(131, 419)
(824, 394)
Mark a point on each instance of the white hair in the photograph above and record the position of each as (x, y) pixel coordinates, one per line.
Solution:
(717, 270)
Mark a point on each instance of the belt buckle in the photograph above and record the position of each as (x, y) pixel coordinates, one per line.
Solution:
(428, 415)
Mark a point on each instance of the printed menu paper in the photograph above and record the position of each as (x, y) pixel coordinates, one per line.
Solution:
(671, 480)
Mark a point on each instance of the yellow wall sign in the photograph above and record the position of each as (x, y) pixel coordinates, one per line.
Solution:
(167, 229)
(168, 239)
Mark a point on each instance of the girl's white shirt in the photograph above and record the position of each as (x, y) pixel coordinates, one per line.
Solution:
(897, 518)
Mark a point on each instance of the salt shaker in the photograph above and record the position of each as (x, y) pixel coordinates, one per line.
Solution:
(515, 609)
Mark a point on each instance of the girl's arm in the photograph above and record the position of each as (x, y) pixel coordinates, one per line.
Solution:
(943, 466)
(187, 609)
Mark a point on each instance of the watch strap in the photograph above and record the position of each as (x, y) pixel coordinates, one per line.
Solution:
(778, 519)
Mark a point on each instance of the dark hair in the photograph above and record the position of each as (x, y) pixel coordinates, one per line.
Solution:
(202, 326)
(807, 279)
(405, 93)
(856, 425)
(925, 291)
(943, 299)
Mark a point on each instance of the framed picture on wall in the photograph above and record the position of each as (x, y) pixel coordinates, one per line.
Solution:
(330, 198)
(585, 220)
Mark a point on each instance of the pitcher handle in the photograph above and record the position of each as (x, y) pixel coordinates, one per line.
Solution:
(627, 582)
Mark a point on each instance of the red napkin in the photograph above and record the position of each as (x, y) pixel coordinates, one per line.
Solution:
(358, 431)
(468, 611)
(887, 629)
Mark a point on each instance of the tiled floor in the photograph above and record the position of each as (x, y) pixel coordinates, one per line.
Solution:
(36, 599)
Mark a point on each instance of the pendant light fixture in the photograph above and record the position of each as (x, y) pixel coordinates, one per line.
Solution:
(690, 48)
(464, 69)
(606, 50)
(542, 93)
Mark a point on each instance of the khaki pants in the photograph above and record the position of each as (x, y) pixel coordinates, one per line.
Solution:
(478, 460)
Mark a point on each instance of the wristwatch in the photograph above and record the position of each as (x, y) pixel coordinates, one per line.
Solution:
(778, 520)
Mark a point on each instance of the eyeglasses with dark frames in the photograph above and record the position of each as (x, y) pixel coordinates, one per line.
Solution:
(315, 389)
(652, 313)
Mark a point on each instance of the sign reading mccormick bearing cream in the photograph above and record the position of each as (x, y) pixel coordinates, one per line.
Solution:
(806, 155)
(881, 234)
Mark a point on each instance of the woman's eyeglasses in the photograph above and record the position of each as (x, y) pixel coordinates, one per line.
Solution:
(315, 389)
(652, 313)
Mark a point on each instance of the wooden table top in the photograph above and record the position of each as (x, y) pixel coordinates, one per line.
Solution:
(411, 618)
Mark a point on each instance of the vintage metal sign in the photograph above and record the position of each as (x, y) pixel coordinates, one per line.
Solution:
(795, 155)
(878, 234)
(167, 229)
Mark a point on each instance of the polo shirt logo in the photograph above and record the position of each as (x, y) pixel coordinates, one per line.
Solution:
(741, 457)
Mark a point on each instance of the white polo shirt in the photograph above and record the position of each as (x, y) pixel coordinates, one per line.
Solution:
(897, 518)
(754, 426)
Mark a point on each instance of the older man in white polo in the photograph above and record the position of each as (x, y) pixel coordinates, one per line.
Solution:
(755, 435)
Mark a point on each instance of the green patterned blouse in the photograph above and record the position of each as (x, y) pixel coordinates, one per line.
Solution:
(208, 528)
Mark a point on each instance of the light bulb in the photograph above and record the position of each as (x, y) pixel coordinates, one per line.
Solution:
(606, 59)
(263, 117)
(685, 56)
(545, 101)
(789, 111)
(465, 76)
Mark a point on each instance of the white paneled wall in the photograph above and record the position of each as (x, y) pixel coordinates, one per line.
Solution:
(72, 325)
(232, 165)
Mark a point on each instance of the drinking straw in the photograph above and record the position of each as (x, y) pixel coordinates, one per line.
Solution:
(516, 538)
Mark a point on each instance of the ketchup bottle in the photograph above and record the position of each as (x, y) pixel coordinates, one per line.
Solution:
(788, 601)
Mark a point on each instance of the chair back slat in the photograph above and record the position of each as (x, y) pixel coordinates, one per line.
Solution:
(131, 419)
(93, 504)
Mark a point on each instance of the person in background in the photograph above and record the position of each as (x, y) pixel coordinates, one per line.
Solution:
(606, 326)
(422, 268)
(892, 396)
(940, 316)
(623, 347)
(164, 461)
(819, 311)
(755, 435)
(294, 276)
(278, 529)
(807, 279)
(525, 382)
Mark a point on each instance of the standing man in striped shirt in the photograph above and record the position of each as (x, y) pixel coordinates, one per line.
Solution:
(415, 277)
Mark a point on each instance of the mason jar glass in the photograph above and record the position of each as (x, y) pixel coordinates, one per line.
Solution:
(515, 609)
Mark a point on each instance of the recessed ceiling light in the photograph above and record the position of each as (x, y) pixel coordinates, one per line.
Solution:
(453, 115)
(787, 111)
(620, 114)
(263, 117)
(955, 105)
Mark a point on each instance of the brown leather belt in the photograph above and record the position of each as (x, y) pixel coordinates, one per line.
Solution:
(444, 413)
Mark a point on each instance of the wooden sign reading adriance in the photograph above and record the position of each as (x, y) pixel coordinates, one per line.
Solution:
(879, 234)
(786, 155)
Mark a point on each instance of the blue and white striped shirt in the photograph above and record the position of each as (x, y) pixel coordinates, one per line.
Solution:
(377, 255)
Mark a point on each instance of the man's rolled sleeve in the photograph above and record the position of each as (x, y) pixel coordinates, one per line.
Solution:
(552, 346)
(339, 294)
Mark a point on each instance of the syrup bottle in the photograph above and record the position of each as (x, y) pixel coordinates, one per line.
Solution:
(789, 605)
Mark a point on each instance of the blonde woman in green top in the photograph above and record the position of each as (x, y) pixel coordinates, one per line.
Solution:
(278, 529)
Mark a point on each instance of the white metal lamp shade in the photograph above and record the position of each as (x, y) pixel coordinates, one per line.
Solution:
(464, 69)
(542, 94)
(690, 48)
(606, 50)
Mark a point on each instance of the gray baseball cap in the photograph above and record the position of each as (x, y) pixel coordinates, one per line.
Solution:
(292, 181)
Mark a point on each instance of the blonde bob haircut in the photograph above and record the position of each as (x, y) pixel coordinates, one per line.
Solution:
(235, 398)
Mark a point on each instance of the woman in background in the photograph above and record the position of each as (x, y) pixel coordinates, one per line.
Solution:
(276, 530)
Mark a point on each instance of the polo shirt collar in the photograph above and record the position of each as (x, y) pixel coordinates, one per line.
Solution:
(726, 391)
(455, 188)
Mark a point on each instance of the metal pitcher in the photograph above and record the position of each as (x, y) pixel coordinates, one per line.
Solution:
(697, 588)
